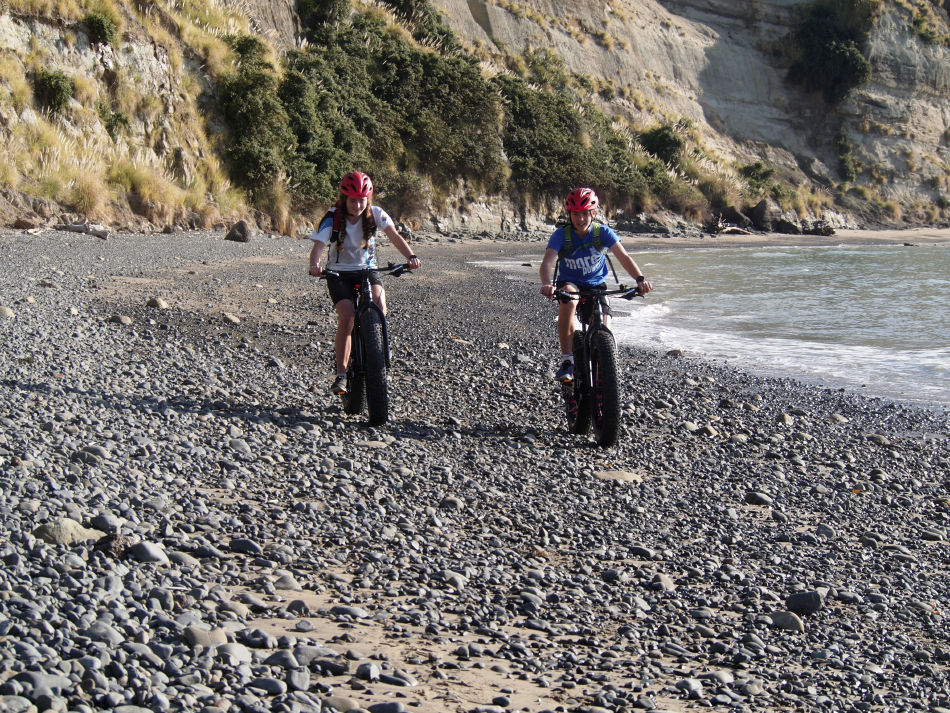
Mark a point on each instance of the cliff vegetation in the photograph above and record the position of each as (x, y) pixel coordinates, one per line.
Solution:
(196, 113)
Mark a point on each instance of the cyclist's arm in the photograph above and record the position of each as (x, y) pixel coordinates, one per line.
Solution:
(547, 272)
(628, 264)
(402, 246)
(316, 252)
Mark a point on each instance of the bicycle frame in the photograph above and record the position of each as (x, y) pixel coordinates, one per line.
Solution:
(596, 321)
(363, 303)
(592, 397)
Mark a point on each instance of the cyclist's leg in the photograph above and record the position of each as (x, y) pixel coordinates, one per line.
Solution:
(342, 292)
(565, 319)
(379, 294)
(379, 297)
(605, 311)
(345, 311)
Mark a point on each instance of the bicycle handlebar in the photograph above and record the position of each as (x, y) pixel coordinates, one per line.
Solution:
(626, 293)
(392, 269)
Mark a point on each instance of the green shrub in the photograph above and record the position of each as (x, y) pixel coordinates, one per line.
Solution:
(757, 174)
(781, 194)
(426, 22)
(658, 177)
(261, 139)
(115, 121)
(665, 143)
(53, 89)
(248, 48)
(847, 166)
(541, 132)
(384, 104)
(404, 193)
(943, 201)
(314, 13)
(826, 47)
(545, 69)
(363, 97)
(102, 30)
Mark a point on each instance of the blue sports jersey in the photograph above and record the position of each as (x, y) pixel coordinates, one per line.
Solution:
(585, 266)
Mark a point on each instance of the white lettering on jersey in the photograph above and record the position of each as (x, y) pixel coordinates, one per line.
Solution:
(586, 265)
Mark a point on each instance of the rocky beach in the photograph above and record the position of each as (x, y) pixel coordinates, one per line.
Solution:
(189, 522)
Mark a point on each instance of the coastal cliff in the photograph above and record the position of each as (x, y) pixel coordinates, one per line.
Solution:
(148, 102)
(713, 63)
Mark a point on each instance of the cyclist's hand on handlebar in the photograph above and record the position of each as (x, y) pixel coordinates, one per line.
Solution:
(413, 262)
(644, 286)
(547, 290)
(316, 270)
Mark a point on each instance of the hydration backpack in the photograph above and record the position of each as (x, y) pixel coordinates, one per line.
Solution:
(338, 231)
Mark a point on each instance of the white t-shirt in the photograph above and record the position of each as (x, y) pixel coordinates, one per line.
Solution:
(352, 256)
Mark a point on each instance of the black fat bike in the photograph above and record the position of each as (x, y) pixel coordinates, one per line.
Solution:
(593, 396)
(367, 379)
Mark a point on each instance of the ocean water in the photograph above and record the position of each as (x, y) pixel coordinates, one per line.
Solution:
(870, 319)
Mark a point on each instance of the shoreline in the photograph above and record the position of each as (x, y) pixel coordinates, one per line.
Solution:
(520, 261)
(841, 237)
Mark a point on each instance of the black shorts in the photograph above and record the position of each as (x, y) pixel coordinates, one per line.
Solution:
(586, 305)
(347, 285)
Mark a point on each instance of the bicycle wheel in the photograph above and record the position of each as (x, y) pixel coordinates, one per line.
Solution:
(577, 398)
(377, 383)
(606, 401)
(355, 397)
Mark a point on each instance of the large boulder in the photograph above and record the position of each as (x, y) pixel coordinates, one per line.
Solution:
(240, 232)
(765, 214)
(65, 531)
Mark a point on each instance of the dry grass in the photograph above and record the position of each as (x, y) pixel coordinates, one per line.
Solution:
(14, 84)
(87, 195)
(72, 160)
(66, 9)
(85, 90)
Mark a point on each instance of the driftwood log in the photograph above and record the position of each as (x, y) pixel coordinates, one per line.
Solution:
(100, 231)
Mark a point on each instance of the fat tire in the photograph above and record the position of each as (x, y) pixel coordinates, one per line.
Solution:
(577, 398)
(606, 395)
(374, 361)
(354, 400)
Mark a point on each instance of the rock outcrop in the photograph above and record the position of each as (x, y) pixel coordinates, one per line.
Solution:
(710, 61)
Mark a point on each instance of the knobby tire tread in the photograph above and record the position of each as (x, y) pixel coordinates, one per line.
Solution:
(377, 380)
(606, 396)
(576, 397)
(354, 400)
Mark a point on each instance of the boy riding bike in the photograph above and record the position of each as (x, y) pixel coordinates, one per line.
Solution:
(576, 253)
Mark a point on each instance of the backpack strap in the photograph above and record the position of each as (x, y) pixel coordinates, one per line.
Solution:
(568, 247)
(338, 231)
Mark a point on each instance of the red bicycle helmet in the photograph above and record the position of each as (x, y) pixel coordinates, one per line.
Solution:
(581, 199)
(356, 185)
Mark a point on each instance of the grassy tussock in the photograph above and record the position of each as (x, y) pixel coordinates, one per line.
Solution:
(67, 9)
(14, 86)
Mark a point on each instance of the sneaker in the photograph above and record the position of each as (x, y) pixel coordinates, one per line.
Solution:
(566, 373)
(338, 386)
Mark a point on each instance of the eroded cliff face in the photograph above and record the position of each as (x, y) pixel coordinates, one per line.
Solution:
(900, 122)
(277, 21)
(709, 61)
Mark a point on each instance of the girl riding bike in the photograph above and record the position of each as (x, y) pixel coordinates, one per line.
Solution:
(350, 225)
(578, 250)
